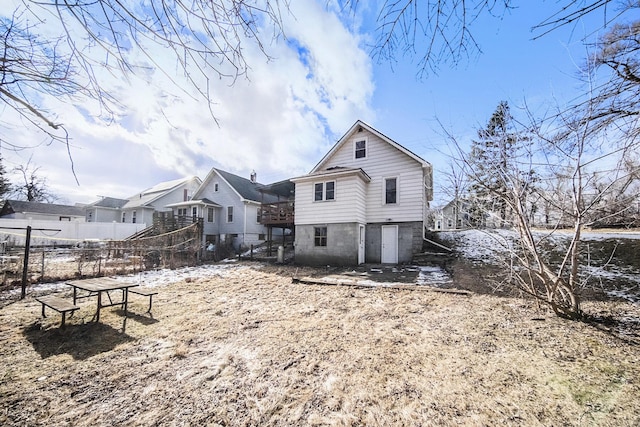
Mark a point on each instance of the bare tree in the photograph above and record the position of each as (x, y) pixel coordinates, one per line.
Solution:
(206, 37)
(440, 32)
(32, 186)
(570, 156)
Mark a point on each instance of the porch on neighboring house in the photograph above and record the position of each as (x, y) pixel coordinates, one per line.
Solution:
(277, 215)
(276, 211)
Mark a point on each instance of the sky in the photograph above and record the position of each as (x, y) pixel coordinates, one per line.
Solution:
(292, 107)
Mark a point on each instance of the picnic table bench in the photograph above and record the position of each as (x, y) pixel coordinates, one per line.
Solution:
(145, 292)
(58, 304)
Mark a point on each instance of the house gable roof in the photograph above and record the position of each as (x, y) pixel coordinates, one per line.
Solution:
(243, 187)
(109, 203)
(23, 207)
(347, 136)
(150, 195)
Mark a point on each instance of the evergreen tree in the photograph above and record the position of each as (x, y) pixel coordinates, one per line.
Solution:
(493, 158)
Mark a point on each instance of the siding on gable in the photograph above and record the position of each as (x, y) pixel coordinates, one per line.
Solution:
(384, 160)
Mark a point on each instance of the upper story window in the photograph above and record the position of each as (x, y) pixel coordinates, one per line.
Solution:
(210, 215)
(229, 213)
(216, 187)
(360, 148)
(390, 191)
(323, 191)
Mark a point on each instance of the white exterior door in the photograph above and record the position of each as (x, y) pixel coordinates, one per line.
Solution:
(389, 244)
(361, 244)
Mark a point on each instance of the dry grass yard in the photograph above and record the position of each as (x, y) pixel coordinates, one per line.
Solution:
(247, 347)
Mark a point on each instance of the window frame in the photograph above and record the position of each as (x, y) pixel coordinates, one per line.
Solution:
(364, 149)
(229, 214)
(320, 236)
(385, 191)
(211, 215)
(323, 192)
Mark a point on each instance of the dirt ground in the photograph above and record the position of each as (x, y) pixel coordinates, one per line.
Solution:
(248, 347)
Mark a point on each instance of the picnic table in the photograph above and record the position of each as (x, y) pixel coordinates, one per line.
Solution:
(98, 286)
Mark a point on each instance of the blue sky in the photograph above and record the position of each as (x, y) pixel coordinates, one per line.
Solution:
(292, 109)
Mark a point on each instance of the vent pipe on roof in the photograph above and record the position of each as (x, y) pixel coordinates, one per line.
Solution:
(254, 176)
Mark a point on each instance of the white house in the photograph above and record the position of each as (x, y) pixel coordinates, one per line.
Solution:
(141, 207)
(230, 208)
(365, 201)
(107, 209)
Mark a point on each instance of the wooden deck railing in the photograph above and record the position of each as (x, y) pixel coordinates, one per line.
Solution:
(277, 213)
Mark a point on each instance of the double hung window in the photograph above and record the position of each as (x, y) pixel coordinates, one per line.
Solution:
(323, 191)
(390, 191)
(360, 149)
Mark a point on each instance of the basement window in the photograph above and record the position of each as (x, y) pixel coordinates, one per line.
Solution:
(320, 236)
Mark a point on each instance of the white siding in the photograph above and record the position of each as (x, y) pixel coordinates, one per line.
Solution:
(348, 206)
(225, 197)
(384, 160)
(244, 224)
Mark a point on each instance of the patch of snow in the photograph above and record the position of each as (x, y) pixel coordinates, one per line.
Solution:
(148, 279)
(433, 276)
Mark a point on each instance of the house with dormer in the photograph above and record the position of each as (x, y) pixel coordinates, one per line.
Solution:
(366, 201)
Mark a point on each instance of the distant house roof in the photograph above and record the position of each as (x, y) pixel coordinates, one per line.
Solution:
(148, 196)
(18, 206)
(245, 188)
(109, 202)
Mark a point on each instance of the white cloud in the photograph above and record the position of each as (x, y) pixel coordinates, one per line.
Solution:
(279, 121)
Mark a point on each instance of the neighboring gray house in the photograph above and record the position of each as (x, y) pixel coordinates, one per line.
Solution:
(18, 209)
(107, 209)
(141, 207)
(229, 206)
(453, 216)
(365, 201)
